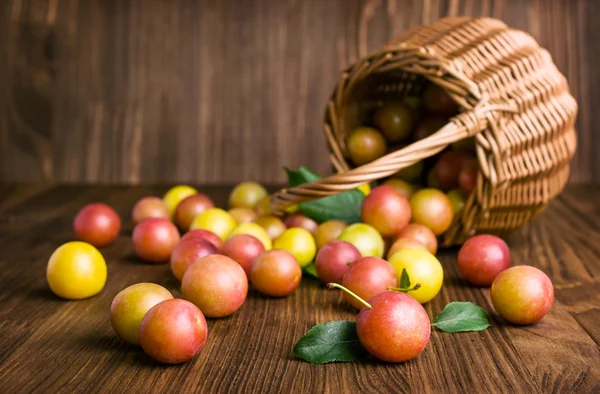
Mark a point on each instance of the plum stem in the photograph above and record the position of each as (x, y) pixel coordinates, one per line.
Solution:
(335, 285)
(404, 289)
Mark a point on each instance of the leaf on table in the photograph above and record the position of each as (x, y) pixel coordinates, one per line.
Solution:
(344, 206)
(311, 270)
(460, 317)
(330, 342)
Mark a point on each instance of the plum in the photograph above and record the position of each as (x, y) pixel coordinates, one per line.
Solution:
(149, 207)
(366, 239)
(173, 331)
(276, 273)
(367, 277)
(386, 210)
(422, 234)
(129, 307)
(206, 235)
(244, 249)
(272, 225)
(328, 231)
(187, 252)
(432, 208)
(482, 258)
(246, 195)
(189, 208)
(216, 284)
(97, 224)
(522, 294)
(302, 221)
(154, 239)
(365, 144)
(333, 260)
(243, 215)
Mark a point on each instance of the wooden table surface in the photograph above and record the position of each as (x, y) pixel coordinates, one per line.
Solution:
(53, 345)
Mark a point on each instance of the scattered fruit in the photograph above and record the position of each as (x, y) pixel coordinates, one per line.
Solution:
(395, 120)
(272, 225)
(328, 231)
(482, 258)
(367, 277)
(175, 195)
(433, 209)
(76, 270)
(154, 239)
(365, 144)
(386, 210)
(423, 268)
(246, 195)
(129, 307)
(216, 284)
(300, 243)
(302, 221)
(365, 238)
(276, 273)
(187, 252)
(189, 208)
(244, 249)
(215, 220)
(422, 234)
(522, 294)
(173, 331)
(206, 235)
(243, 215)
(97, 224)
(149, 207)
(256, 231)
(333, 260)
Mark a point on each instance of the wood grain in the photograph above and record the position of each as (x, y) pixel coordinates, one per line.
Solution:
(51, 345)
(185, 91)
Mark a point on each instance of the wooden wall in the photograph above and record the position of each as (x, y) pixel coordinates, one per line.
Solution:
(153, 91)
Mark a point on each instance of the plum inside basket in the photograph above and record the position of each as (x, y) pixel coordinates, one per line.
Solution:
(386, 112)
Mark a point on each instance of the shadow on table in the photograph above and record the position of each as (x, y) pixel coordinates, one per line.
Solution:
(133, 260)
(111, 343)
(44, 293)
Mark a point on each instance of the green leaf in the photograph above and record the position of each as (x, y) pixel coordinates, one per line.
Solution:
(311, 270)
(344, 206)
(330, 342)
(404, 279)
(461, 316)
(300, 176)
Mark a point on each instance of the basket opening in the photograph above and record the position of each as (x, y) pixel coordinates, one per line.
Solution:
(430, 108)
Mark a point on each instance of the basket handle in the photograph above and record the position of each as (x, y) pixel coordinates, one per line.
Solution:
(462, 126)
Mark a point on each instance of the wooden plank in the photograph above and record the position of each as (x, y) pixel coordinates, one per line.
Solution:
(71, 345)
(154, 91)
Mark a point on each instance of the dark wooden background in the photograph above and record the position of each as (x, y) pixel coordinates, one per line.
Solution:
(156, 91)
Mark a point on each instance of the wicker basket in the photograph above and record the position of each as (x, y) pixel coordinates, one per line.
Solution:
(512, 99)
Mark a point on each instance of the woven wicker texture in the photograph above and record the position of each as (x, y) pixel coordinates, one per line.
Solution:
(512, 98)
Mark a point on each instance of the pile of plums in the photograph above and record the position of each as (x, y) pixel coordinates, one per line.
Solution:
(394, 125)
